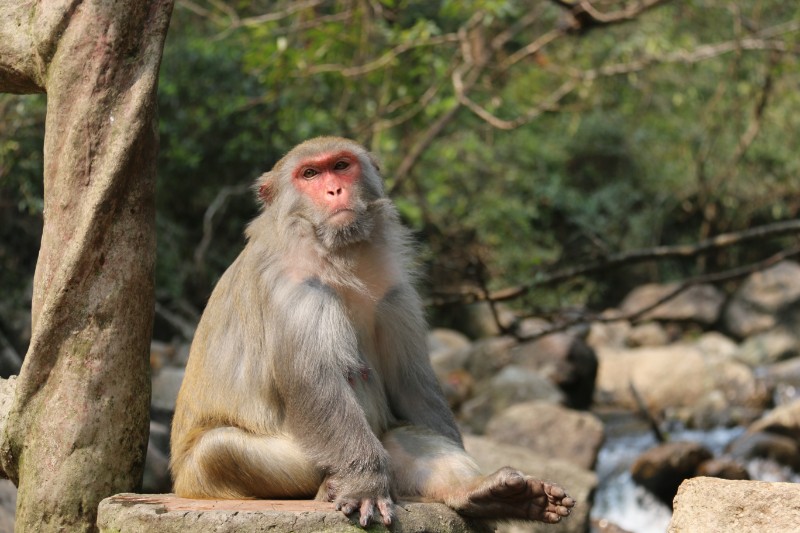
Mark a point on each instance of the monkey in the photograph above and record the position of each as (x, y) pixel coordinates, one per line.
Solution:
(308, 375)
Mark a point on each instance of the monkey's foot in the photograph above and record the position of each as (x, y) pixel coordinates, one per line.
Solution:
(510, 494)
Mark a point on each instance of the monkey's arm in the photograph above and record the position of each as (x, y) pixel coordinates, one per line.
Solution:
(317, 350)
(414, 392)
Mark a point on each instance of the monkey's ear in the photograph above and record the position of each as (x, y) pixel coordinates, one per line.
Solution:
(374, 160)
(265, 188)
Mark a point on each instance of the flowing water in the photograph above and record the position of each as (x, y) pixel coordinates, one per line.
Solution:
(620, 501)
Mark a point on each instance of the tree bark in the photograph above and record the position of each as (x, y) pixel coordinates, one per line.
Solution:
(77, 426)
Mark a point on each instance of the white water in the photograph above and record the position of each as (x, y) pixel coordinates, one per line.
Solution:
(622, 502)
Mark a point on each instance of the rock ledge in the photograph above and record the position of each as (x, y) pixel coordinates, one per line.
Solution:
(167, 513)
(710, 505)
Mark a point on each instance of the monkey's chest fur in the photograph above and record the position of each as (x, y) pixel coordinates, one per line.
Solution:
(366, 378)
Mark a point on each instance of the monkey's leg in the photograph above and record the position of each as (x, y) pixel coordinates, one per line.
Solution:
(432, 467)
(230, 463)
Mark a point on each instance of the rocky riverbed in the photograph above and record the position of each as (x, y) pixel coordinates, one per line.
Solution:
(618, 412)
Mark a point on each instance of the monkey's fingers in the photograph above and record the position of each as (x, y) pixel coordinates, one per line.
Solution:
(348, 507)
(367, 508)
(386, 508)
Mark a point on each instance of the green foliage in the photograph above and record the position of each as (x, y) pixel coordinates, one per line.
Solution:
(651, 154)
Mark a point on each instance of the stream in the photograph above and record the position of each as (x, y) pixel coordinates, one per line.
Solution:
(620, 501)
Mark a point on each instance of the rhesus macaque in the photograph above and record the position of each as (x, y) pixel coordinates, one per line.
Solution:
(309, 375)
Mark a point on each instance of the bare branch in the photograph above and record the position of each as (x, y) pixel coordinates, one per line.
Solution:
(759, 233)
(719, 277)
(548, 104)
(763, 41)
(380, 62)
(185, 327)
(532, 48)
(208, 218)
(586, 16)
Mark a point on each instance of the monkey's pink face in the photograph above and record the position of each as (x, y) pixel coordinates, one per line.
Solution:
(329, 180)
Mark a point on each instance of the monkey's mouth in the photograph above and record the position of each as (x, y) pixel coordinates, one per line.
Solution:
(342, 217)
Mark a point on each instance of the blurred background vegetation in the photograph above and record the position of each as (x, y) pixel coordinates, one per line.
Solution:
(517, 137)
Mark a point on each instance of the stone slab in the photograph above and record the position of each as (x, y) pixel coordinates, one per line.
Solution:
(168, 513)
(711, 505)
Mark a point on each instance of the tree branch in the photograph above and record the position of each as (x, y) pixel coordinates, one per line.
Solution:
(787, 227)
(719, 277)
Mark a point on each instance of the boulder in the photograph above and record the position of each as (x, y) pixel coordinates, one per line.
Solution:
(167, 513)
(550, 430)
(156, 464)
(699, 303)
(477, 320)
(156, 470)
(661, 469)
(8, 505)
(487, 356)
(755, 306)
(709, 505)
(768, 347)
(514, 384)
(447, 350)
(565, 360)
(161, 354)
(784, 379)
(648, 334)
(166, 384)
(779, 448)
(578, 482)
(723, 468)
(609, 334)
(783, 420)
(680, 375)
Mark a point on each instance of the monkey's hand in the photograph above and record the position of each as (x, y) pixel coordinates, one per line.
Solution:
(365, 493)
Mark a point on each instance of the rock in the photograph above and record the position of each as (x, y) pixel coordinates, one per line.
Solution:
(648, 334)
(722, 468)
(715, 344)
(8, 505)
(166, 384)
(602, 525)
(477, 321)
(709, 505)
(699, 303)
(448, 351)
(566, 361)
(768, 347)
(676, 376)
(784, 379)
(609, 334)
(181, 356)
(457, 387)
(578, 482)
(487, 356)
(167, 513)
(779, 448)
(156, 471)
(550, 430)
(513, 384)
(446, 340)
(662, 469)
(783, 420)
(755, 306)
(161, 354)
(159, 436)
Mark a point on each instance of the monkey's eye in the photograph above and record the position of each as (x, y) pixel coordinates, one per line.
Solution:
(341, 165)
(309, 173)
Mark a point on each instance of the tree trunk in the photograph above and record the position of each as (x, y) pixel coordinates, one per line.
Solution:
(77, 426)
